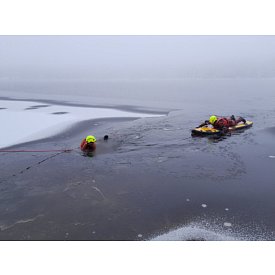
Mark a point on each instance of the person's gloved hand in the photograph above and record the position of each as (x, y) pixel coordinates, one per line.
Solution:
(203, 124)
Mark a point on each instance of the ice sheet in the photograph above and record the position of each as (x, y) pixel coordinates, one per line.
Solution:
(23, 121)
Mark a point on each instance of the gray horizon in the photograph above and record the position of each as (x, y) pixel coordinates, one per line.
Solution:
(136, 57)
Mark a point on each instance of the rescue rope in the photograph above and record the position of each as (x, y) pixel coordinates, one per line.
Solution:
(34, 151)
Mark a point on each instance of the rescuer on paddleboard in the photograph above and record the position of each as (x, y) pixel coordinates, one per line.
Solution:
(88, 144)
(223, 123)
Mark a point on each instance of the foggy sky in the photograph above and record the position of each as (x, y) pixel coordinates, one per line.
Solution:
(133, 57)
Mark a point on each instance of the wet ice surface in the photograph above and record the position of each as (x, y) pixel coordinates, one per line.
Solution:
(125, 192)
(60, 113)
(148, 181)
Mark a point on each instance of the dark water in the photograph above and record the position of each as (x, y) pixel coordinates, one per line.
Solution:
(151, 176)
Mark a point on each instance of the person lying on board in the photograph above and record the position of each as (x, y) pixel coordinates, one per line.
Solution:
(223, 123)
(88, 144)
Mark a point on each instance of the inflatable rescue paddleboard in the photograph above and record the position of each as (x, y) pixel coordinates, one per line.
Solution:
(209, 130)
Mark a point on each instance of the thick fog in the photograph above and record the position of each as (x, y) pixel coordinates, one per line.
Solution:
(135, 57)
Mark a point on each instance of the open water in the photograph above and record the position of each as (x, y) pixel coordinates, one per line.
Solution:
(151, 180)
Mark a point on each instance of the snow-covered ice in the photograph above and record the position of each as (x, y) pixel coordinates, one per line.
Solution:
(23, 121)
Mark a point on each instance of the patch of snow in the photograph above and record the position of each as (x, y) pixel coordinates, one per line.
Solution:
(23, 121)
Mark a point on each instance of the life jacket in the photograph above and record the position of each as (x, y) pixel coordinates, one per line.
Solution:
(87, 146)
(221, 122)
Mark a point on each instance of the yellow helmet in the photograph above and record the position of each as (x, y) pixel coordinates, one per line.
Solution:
(90, 139)
(212, 119)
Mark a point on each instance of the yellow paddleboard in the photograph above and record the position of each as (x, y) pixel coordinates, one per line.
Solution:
(209, 130)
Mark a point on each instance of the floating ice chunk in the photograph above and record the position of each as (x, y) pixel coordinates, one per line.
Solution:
(227, 224)
(188, 200)
(204, 205)
(226, 209)
(140, 235)
(272, 157)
